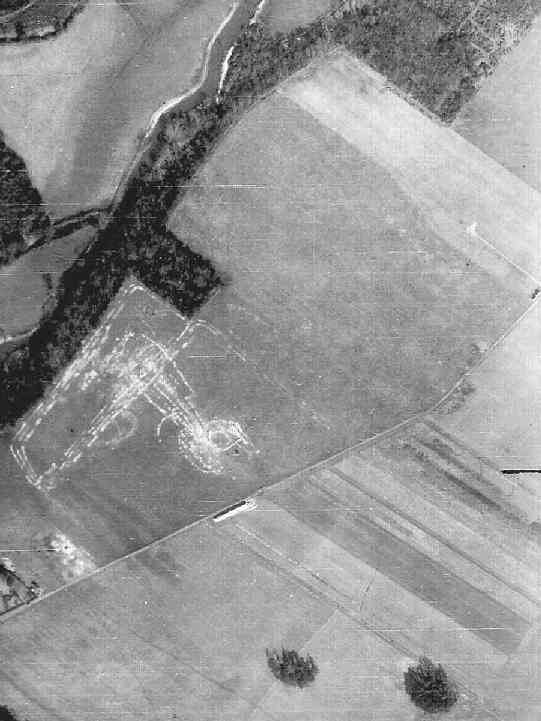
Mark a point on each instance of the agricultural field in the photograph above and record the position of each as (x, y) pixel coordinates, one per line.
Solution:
(504, 118)
(364, 563)
(74, 106)
(376, 324)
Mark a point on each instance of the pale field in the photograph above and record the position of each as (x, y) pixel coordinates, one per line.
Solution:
(73, 106)
(504, 118)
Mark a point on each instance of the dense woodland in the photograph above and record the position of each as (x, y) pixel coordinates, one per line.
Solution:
(425, 59)
(6, 715)
(22, 216)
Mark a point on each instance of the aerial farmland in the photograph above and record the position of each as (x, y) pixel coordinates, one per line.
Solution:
(279, 395)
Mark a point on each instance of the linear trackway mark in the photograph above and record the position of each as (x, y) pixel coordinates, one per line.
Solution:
(471, 230)
(515, 471)
(240, 507)
(29, 550)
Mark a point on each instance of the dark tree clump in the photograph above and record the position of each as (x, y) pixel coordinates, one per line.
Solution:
(6, 715)
(291, 668)
(429, 687)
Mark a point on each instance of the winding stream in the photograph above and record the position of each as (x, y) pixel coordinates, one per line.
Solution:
(213, 73)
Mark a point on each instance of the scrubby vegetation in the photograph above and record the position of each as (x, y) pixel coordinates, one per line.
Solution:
(429, 686)
(22, 216)
(291, 668)
(425, 47)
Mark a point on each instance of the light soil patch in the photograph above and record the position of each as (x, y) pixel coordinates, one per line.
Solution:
(347, 284)
(30, 532)
(74, 106)
(23, 291)
(504, 118)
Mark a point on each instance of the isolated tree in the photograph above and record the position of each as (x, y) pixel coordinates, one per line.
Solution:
(291, 668)
(429, 686)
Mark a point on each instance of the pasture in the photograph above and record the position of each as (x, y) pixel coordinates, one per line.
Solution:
(347, 563)
(74, 106)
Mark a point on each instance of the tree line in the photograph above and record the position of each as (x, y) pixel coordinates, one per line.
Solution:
(23, 218)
